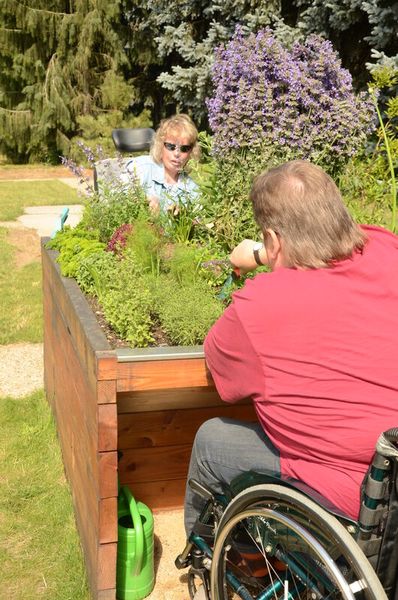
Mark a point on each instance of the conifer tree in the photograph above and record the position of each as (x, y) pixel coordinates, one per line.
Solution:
(58, 59)
(361, 31)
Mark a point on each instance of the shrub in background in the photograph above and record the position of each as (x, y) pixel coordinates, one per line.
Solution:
(96, 131)
(368, 184)
(299, 102)
(272, 104)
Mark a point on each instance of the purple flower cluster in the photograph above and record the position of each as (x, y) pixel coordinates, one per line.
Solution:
(118, 241)
(79, 172)
(300, 102)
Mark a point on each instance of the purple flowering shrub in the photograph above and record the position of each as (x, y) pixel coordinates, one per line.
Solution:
(299, 102)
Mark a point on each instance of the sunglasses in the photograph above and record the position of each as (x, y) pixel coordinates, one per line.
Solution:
(184, 149)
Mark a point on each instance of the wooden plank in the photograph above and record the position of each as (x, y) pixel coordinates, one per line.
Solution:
(107, 427)
(106, 391)
(76, 425)
(163, 428)
(107, 566)
(75, 430)
(169, 399)
(107, 466)
(108, 520)
(154, 464)
(163, 375)
(107, 594)
(106, 365)
(160, 495)
(75, 402)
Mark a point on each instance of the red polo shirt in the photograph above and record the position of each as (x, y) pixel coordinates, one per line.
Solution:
(317, 352)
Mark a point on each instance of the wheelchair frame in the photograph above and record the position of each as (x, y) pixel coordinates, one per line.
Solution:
(320, 552)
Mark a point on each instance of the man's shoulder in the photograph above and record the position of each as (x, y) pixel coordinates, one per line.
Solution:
(376, 233)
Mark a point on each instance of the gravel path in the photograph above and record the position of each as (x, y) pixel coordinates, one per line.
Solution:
(21, 370)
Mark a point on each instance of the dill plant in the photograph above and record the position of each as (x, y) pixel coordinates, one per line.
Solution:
(186, 312)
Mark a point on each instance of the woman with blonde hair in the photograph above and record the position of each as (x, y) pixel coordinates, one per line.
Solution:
(164, 173)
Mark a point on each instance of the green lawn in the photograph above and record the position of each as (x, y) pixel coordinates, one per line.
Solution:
(40, 554)
(15, 195)
(21, 318)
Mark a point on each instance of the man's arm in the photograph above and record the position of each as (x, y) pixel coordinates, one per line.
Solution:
(248, 255)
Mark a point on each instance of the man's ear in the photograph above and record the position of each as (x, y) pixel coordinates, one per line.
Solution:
(272, 244)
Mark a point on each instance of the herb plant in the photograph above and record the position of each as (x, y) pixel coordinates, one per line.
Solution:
(186, 312)
(127, 302)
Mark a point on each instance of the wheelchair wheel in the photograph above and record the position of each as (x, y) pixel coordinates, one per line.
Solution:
(274, 543)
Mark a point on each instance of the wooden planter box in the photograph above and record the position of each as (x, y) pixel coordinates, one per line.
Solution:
(146, 403)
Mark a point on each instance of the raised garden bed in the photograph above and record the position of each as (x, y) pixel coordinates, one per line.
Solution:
(146, 403)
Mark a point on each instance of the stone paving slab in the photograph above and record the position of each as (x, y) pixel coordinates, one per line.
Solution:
(44, 219)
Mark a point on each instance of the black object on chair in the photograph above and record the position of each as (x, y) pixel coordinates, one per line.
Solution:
(125, 140)
(132, 140)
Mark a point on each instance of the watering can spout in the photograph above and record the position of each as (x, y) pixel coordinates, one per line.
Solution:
(135, 570)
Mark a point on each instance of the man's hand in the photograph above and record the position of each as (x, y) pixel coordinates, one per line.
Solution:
(242, 256)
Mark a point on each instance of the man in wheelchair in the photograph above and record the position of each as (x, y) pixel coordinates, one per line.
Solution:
(289, 507)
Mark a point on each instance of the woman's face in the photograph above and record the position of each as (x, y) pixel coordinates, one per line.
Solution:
(176, 152)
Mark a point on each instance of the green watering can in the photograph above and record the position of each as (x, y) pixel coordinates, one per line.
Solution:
(135, 575)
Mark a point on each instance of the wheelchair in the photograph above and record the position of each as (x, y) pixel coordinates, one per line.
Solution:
(267, 538)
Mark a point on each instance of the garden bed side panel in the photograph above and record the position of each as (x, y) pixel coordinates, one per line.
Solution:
(161, 404)
(80, 383)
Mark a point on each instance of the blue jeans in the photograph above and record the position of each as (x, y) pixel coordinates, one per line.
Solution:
(224, 448)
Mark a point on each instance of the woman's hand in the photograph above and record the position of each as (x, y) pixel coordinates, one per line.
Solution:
(154, 204)
(242, 256)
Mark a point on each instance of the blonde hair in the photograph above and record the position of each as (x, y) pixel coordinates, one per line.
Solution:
(301, 203)
(181, 125)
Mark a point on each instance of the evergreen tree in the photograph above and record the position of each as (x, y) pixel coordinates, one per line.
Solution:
(361, 31)
(59, 59)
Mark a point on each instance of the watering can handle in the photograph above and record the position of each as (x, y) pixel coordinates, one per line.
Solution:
(139, 532)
